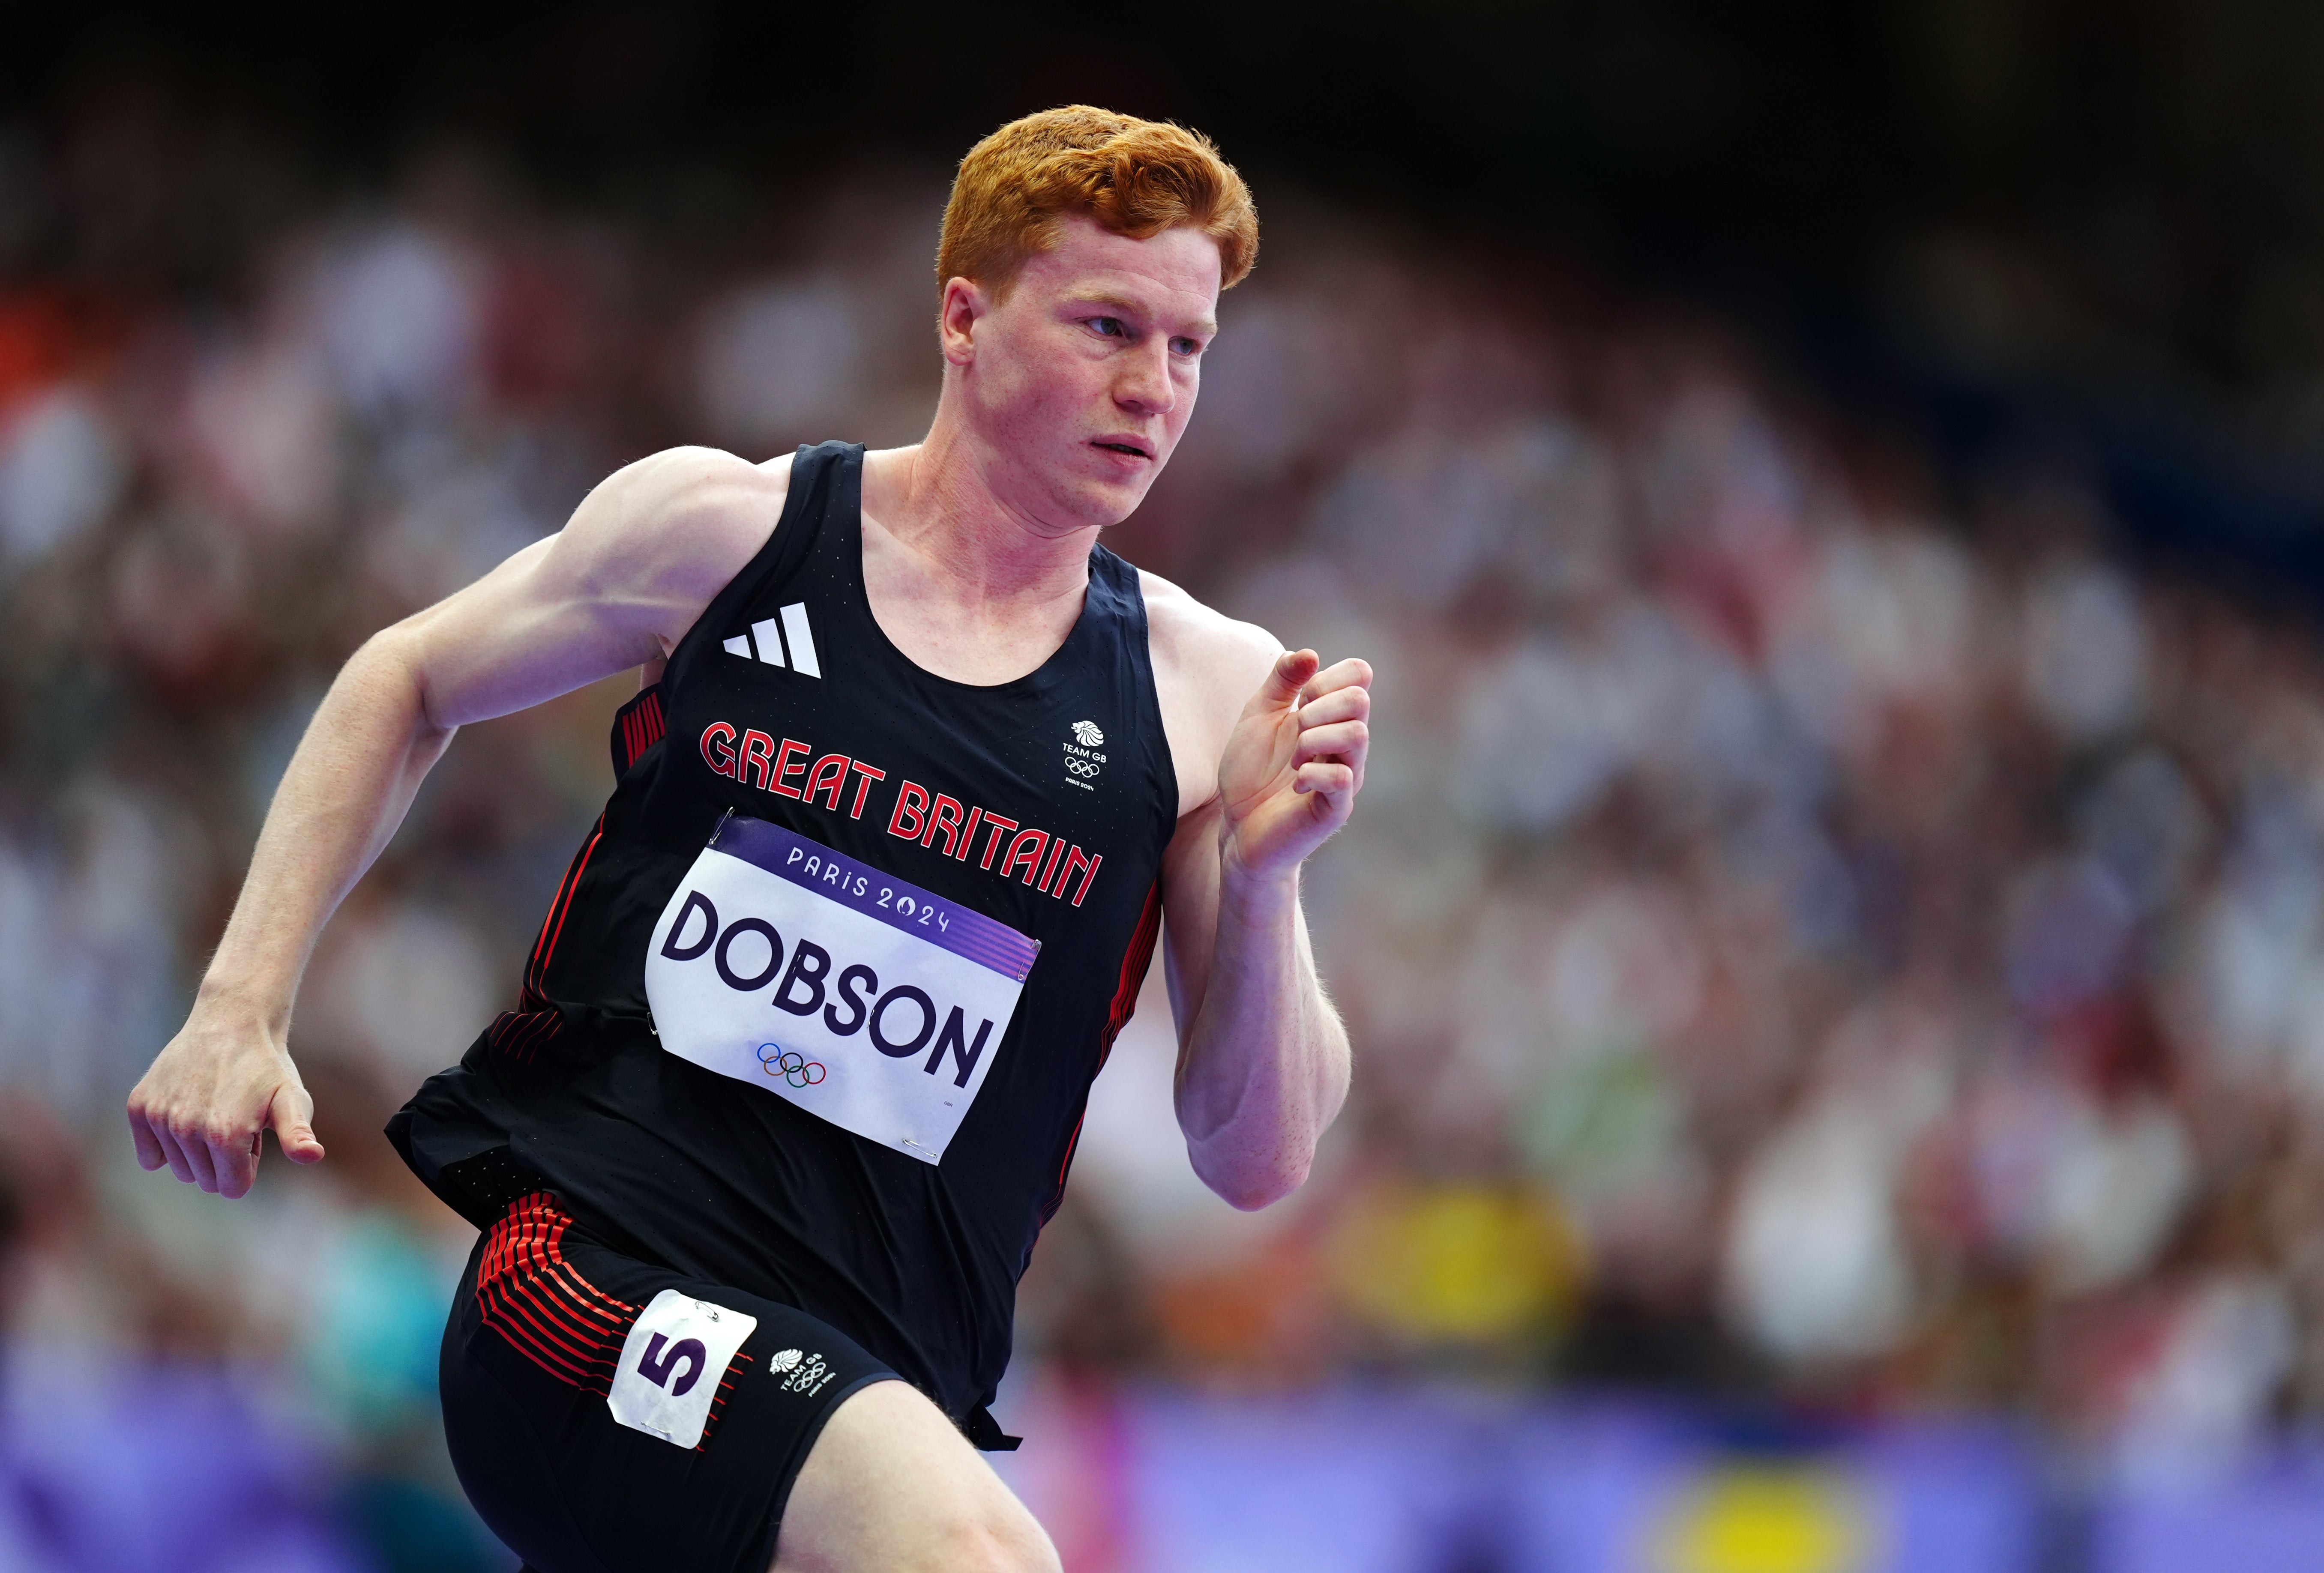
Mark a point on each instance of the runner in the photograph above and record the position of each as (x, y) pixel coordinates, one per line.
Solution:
(800, 1056)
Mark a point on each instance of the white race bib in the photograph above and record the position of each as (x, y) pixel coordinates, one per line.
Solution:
(671, 1364)
(861, 998)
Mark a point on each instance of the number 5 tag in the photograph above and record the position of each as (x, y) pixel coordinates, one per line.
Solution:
(672, 1363)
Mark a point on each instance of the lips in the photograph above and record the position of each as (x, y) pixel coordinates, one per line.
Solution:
(1127, 447)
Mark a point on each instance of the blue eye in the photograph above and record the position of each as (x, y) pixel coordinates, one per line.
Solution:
(1186, 346)
(1108, 325)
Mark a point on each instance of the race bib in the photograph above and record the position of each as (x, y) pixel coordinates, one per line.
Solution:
(864, 1000)
(671, 1364)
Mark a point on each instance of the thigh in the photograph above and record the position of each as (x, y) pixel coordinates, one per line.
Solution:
(599, 1423)
(891, 1485)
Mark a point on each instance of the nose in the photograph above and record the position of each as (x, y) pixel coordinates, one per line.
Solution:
(1145, 385)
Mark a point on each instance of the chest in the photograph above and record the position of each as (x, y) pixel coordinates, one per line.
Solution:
(961, 625)
(1025, 801)
(973, 643)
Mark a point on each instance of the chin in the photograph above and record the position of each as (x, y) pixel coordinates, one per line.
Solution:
(1101, 503)
(1117, 504)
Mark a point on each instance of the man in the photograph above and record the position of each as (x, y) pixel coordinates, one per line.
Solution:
(802, 1049)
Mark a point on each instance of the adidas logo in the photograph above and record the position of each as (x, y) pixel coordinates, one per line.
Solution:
(767, 642)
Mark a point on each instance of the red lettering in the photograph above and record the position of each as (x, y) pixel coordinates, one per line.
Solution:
(834, 767)
(863, 787)
(968, 836)
(912, 802)
(757, 750)
(1057, 850)
(1086, 879)
(721, 736)
(945, 817)
(785, 769)
(1076, 859)
(1025, 849)
(1000, 827)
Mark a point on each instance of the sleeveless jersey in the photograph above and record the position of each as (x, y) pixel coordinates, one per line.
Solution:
(817, 1008)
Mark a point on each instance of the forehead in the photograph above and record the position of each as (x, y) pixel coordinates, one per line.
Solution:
(1172, 274)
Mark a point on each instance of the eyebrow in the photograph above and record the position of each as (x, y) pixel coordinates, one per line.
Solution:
(1207, 327)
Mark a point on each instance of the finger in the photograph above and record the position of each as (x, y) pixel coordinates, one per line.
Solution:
(1290, 673)
(235, 1162)
(1350, 703)
(1327, 776)
(291, 1115)
(1351, 673)
(149, 1149)
(1353, 758)
(1346, 737)
(197, 1158)
(172, 1153)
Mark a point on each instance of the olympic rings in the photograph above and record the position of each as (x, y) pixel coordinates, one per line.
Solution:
(1080, 767)
(791, 1065)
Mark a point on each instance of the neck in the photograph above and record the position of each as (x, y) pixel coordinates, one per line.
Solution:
(948, 503)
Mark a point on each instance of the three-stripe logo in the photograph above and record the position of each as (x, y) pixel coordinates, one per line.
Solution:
(765, 642)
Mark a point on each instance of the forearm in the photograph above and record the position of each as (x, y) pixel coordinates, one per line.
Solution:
(348, 789)
(1265, 1066)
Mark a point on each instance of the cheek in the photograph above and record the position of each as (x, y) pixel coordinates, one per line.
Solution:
(1069, 401)
(1036, 386)
(1018, 396)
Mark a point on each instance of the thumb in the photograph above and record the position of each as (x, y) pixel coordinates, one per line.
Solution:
(292, 1113)
(1289, 675)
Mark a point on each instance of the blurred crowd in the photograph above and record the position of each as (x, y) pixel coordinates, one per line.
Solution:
(1816, 932)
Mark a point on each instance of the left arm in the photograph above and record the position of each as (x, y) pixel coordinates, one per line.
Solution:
(1263, 1061)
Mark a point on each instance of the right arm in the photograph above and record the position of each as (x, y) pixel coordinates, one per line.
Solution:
(617, 587)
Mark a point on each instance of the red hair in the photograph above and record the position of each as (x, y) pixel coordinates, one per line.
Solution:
(1134, 176)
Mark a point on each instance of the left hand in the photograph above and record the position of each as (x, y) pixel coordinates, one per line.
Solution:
(1295, 762)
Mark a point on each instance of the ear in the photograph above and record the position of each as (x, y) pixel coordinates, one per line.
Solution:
(965, 302)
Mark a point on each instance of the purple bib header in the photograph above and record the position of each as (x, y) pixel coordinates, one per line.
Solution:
(875, 893)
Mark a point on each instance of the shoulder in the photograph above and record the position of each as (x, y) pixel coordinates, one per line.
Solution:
(1206, 667)
(705, 486)
(1203, 647)
(685, 517)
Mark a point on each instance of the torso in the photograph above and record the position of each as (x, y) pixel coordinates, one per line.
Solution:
(707, 1168)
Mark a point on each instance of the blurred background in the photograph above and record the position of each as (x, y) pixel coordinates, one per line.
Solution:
(1834, 936)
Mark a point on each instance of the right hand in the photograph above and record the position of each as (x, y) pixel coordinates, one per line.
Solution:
(202, 1105)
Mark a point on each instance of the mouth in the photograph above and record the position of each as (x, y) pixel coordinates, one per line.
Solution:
(1118, 445)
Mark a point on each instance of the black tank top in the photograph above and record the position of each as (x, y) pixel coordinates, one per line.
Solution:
(1041, 806)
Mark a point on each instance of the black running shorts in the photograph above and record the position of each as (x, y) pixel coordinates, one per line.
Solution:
(606, 1416)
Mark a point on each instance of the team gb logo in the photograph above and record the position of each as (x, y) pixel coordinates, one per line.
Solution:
(1082, 761)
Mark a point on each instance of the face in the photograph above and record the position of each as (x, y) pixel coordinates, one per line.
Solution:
(1077, 383)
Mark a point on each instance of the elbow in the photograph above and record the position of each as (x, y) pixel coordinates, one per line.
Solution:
(388, 669)
(1257, 1197)
(1250, 1186)
(392, 655)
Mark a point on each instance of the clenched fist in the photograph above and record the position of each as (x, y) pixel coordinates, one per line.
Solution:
(1295, 762)
(200, 1108)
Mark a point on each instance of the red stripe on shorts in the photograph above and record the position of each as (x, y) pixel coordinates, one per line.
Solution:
(542, 1306)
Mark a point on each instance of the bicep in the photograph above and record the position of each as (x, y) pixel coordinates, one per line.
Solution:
(516, 636)
(615, 588)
